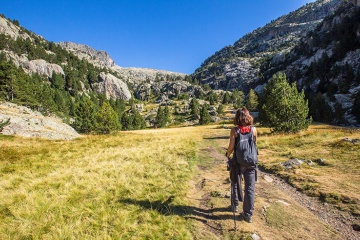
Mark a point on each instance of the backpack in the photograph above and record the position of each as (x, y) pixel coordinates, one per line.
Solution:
(245, 149)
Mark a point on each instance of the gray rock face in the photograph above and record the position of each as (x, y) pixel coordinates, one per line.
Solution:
(27, 123)
(38, 66)
(112, 87)
(98, 58)
(138, 76)
(8, 28)
(42, 67)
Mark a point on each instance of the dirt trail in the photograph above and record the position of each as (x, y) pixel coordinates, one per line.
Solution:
(281, 212)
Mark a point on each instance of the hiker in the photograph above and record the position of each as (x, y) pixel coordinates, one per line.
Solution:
(243, 122)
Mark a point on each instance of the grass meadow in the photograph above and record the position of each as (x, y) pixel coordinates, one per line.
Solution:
(333, 174)
(134, 185)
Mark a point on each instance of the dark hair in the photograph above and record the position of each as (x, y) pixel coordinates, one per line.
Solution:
(243, 117)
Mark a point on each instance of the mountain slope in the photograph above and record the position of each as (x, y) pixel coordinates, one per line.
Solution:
(238, 66)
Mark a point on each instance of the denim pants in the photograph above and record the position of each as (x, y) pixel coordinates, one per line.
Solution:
(249, 175)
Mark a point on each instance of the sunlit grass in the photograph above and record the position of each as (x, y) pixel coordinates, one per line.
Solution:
(338, 175)
(134, 185)
(98, 187)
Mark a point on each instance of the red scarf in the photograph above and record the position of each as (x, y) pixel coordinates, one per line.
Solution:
(246, 129)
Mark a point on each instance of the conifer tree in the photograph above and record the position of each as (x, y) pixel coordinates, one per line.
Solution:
(320, 110)
(167, 114)
(285, 108)
(237, 97)
(107, 119)
(85, 116)
(226, 98)
(204, 115)
(127, 121)
(252, 101)
(220, 109)
(160, 117)
(138, 121)
(194, 106)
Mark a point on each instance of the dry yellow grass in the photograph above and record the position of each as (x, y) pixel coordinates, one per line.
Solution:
(340, 173)
(139, 185)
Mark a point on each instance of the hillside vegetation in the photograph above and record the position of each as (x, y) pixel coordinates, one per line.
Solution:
(119, 186)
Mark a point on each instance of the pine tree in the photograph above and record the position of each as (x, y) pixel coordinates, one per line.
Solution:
(167, 114)
(194, 108)
(139, 121)
(226, 98)
(107, 119)
(220, 109)
(285, 108)
(320, 110)
(160, 117)
(85, 116)
(127, 121)
(237, 98)
(204, 115)
(252, 101)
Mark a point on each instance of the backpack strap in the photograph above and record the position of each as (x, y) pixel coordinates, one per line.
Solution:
(237, 140)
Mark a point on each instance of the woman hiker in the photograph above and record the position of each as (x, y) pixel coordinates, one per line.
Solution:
(243, 122)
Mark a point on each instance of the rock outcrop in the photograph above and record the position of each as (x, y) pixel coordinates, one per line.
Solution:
(12, 30)
(38, 66)
(27, 123)
(98, 58)
(112, 87)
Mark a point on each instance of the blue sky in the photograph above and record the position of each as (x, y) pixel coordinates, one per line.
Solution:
(173, 35)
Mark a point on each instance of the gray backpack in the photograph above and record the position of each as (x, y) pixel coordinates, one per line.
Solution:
(245, 149)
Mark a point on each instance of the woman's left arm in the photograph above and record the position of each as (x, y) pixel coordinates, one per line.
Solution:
(231, 142)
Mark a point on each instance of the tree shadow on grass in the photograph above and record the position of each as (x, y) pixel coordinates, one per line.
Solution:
(167, 209)
(217, 137)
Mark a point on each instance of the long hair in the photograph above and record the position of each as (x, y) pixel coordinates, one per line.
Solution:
(243, 117)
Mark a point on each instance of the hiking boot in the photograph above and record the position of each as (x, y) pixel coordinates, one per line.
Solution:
(234, 208)
(245, 218)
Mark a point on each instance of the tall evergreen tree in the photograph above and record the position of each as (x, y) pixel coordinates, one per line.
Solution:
(85, 116)
(237, 98)
(252, 101)
(319, 110)
(167, 114)
(107, 119)
(226, 98)
(160, 118)
(127, 121)
(139, 121)
(194, 107)
(285, 108)
(204, 115)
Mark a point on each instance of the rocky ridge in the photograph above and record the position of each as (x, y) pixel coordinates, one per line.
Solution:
(238, 66)
(122, 80)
